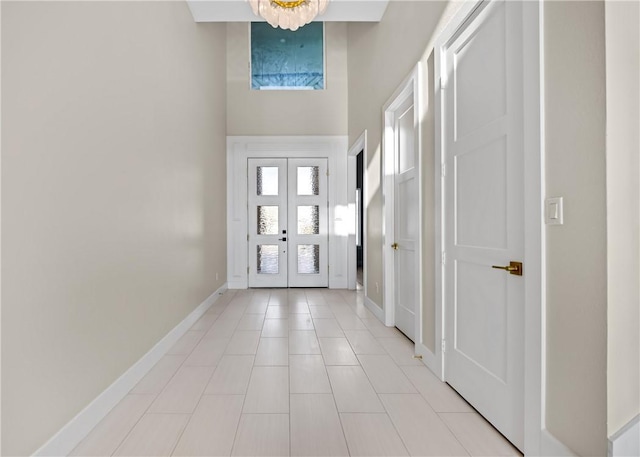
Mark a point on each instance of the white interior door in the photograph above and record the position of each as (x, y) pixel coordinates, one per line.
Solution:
(288, 223)
(267, 219)
(484, 222)
(405, 220)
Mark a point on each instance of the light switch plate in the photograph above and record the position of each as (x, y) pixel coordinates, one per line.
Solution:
(553, 211)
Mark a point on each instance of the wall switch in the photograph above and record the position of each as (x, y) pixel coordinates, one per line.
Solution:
(553, 211)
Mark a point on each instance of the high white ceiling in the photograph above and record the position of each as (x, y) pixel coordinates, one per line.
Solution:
(240, 11)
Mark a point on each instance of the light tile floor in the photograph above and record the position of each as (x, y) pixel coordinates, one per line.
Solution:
(292, 372)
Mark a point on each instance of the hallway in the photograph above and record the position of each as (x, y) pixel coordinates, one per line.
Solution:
(292, 372)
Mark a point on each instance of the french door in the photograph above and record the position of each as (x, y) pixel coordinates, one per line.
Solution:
(288, 223)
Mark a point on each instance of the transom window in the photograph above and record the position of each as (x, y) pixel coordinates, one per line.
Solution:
(286, 60)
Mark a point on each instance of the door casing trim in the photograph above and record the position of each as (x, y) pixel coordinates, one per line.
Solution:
(358, 146)
(241, 148)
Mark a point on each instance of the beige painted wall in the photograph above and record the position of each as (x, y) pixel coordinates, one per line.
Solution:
(622, 20)
(574, 79)
(253, 112)
(381, 56)
(113, 196)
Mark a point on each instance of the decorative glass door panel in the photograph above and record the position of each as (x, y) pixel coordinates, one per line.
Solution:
(309, 237)
(288, 223)
(267, 198)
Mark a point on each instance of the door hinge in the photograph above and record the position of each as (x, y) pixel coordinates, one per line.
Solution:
(444, 170)
(444, 345)
(443, 82)
(327, 172)
(247, 270)
(444, 258)
(247, 237)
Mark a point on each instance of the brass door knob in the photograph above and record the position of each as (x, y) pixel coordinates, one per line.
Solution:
(514, 268)
(395, 246)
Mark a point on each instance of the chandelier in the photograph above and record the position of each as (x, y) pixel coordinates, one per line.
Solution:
(288, 14)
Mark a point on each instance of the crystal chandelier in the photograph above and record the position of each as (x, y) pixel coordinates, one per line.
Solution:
(288, 14)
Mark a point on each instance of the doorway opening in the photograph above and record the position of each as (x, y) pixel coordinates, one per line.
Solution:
(339, 218)
(359, 220)
(357, 202)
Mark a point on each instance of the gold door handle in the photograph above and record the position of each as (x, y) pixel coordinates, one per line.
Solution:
(514, 268)
(395, 246)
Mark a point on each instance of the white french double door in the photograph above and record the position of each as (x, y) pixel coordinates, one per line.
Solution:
(288, 223)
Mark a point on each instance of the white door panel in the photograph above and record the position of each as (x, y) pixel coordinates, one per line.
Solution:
(481, 203)
(481, 311)
(479, 57)
(484, 224)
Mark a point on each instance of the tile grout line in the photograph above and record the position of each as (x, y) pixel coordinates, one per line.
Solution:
(455, 436)
(289, 370)
(335, 403)
(418, 392)
(227, 305)
(395, 427)
(386, 412)
(146, 411)
(203, 390)
(244, 399)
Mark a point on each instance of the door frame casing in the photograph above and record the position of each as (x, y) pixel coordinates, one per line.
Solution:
(534, 228)
(409, 88)
(239, 150)
(358, 147)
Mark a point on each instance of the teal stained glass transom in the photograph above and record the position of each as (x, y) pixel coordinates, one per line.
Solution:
(282, 59)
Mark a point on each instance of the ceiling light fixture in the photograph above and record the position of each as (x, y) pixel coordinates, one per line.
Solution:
(289, 15)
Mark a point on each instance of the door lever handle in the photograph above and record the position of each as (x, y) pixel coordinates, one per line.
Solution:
(514, 268)
(282, 239)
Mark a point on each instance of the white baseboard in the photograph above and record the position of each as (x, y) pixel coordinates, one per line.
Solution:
(375, 309)
(626, 442)
(553, 447)
(237, 284)
(63, 442)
